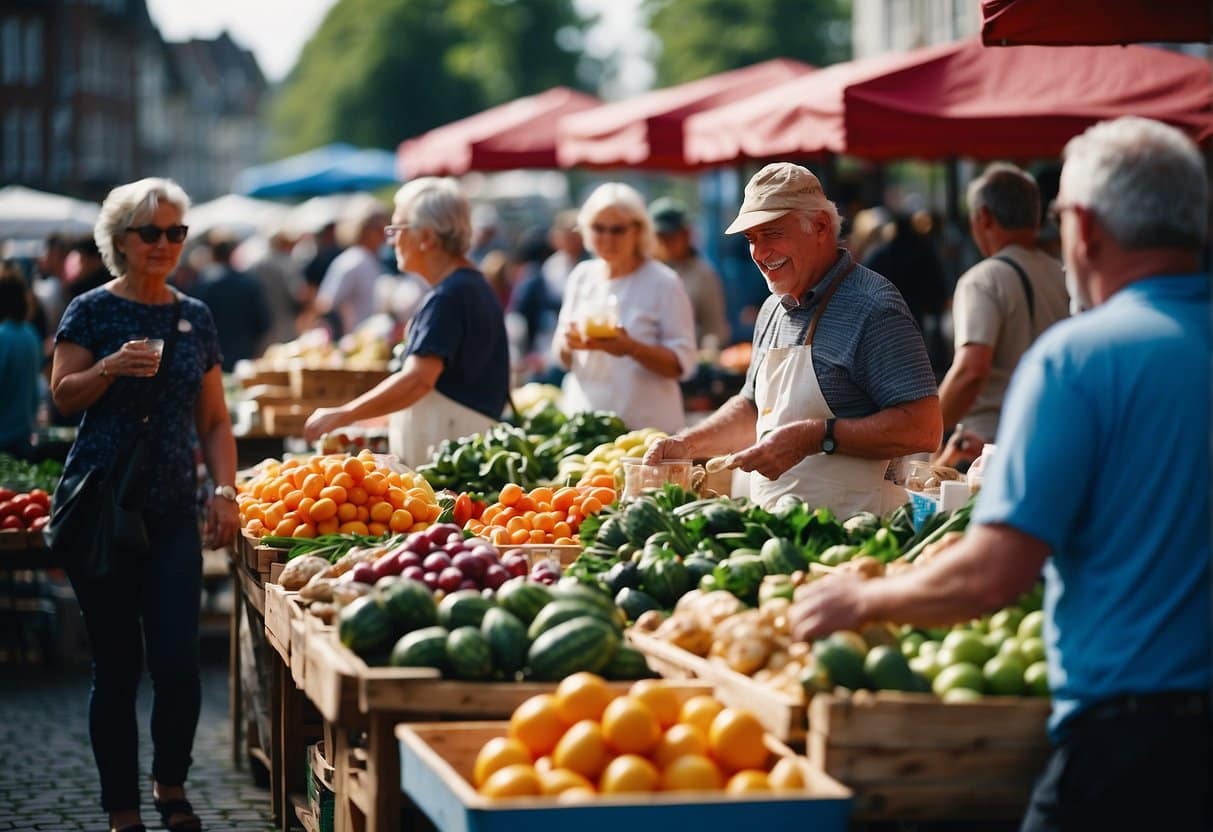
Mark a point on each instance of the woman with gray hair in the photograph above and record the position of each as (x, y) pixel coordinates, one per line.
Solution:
(626, 331)
(456, 373)
(106, 364)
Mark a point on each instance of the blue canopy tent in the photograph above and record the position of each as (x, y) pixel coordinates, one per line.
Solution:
(330, 169)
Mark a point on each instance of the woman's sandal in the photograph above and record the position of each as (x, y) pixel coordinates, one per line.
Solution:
(179, 806)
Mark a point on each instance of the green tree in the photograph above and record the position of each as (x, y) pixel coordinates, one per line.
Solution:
(380, 71)
(703, 37)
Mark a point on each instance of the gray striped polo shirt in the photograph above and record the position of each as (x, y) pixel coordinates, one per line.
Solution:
(867, 352)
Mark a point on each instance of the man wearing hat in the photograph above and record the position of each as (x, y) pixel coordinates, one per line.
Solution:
(840, 382)
(698, 277)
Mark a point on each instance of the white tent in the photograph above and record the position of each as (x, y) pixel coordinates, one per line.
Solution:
(240, 215)
(26, 213)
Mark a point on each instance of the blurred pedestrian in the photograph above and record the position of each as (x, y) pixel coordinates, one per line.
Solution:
(702, 283)
(283, 285)
(20, 363)
(148, 611)
(237, 303)
(49, 284)
(909, 260)
(568, 249)
(92, 269)
(626, 332)
(1102, 478)
(347, 296)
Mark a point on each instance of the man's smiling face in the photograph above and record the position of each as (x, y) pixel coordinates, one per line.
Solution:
(790, 258)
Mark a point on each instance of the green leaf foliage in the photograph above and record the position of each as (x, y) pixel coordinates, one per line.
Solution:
(702, 37)
(379, 71)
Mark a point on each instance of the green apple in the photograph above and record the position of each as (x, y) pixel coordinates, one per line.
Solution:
(1006, 619)
(1036, 679)
(1032, 625)
(962, 675)
(966, 646)
(1033, 650)
(925, 666)
(961, 695)
(1004, 676)
(995, 638)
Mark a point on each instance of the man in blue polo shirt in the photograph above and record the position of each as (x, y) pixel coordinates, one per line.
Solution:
(1102, 478)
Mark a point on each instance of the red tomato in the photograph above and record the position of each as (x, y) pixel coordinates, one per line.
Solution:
(462, 510)
(39, 523)
(478, 507)
(40, 497)
(20, 501)
(12, 522)
(6, 494)
(32, 512)
(7, 509)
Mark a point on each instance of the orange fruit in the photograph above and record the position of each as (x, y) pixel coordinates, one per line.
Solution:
(582, 749)
(353, 527)
(377, 529)
(382, 512)
(401, 520)
(362, 514)
(691, 773)
(582, 696)
(396, 497)
(660, 698)
(496, 754)
(515, 780)
(347, 512)
(343, 480)
(334, 492)
(678, 741)
(417, 507)
(560, 780)
(544, 764)
(355, 468)
(787, 775)
(577, 794)
(700, 711)
(736, 740)
(323, 509)
(510, 494)
(328, 526)
(748, 781)
(630, 726)
(537, 724)
(358, 496)
(629, 773)
(304, 530)
(375, 484)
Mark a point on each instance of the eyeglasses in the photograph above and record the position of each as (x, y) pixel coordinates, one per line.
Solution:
(391, 232)
(151, 233)
(613, 230)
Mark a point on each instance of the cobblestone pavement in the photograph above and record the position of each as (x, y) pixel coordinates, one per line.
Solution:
(50, 781)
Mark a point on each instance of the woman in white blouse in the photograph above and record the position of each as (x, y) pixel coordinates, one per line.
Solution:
(632, 364)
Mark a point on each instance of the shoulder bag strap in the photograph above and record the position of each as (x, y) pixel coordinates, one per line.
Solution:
(1027, 286)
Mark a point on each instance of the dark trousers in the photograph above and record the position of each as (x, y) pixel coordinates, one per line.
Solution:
(153, 611)
(1129, 768)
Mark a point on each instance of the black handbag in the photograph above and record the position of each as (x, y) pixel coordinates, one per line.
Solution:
(96, 527)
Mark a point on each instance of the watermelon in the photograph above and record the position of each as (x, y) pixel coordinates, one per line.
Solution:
(465, 608)
(558, 612)
(507, 640)
(570, 589)
(635, 602)
(666, 580)
(523, 598)
(584, 643)
(365, 626)
(410, 604)
(468, 654)
(421, 648)
(627, 663)
(782, 557)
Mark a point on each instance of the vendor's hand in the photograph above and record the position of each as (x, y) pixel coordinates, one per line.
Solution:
(962, 447)
(324, 420)
(778, 451)
(222, 521)
(672, 447)
(573, 338)
(832, 603)
(620, 345)
(137, 359)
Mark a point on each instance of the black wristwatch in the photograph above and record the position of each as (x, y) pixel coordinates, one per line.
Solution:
(828, 444)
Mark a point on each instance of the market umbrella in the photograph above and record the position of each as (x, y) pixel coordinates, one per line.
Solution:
(513, 136)
(27, 214)
(647, 131)
(241, 215)
(959, 99)
(1094, 22)
(334, 168)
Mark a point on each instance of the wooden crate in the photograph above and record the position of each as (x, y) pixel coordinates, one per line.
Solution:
(339, 384)
(562, 554)
(281, 608)
(911, 756)
(285, 419)
(20, 539)
(272, 378)
(436, 764)
(782, 715)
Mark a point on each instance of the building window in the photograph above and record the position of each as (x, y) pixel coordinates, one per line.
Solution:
(11, 41)
(33, 144)
(33, 52)
(12, 143)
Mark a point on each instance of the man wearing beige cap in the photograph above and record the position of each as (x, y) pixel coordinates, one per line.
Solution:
(840, 382)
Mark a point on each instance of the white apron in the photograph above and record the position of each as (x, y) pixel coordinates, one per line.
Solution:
(786, 390)
(414, 432)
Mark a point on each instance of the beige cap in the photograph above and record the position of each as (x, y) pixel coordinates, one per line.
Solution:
(777, 189)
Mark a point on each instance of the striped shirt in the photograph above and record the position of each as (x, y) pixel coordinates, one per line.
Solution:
(868, 353)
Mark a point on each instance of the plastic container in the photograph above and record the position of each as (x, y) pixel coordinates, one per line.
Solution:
(977, 469)
(602, 322)
(638, 477)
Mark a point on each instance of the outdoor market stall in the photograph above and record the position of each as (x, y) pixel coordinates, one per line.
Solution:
(1094, 22)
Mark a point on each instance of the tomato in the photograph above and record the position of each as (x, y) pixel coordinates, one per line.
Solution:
(20, 501)
(462, 510)
(6, 494)
(12, 522)
(40, 497)
(39, 523)
(478, 507)
(32, 512)
(7, 509)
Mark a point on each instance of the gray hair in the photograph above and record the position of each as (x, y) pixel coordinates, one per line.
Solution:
(828, 208)
(129, 205)
(1010, 194)
(1144, 180)
(438, 204)
(628, 201)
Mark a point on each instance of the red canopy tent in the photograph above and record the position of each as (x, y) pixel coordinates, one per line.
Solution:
(520, 134)
(647, 131)
(959, 99)
(1094, 22)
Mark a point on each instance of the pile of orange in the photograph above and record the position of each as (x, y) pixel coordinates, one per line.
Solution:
(336, 493)
(545, 515)
(585, 740)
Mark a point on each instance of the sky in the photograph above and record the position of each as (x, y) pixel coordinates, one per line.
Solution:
(276, 30)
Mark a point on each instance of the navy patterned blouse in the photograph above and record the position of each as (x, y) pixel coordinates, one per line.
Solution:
(101, 322)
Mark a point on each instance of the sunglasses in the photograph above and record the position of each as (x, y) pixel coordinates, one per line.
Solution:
(613, 230)
(151, 233)
(391, 232)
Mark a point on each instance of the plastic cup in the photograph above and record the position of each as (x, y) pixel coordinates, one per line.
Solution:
(156, 344)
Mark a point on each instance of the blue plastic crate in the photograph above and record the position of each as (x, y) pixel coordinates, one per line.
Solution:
(922, 508)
